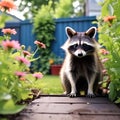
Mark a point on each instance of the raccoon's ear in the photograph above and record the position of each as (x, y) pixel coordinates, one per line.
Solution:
(70, 32)
(91, 32)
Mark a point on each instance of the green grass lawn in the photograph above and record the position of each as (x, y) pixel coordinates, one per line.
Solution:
(50, 84)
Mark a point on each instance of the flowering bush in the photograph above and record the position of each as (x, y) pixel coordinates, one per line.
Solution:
(106, 78)
(16, 81)
(109, 37)
(44, 28)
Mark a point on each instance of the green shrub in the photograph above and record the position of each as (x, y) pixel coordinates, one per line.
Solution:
(44, 27)
(109, 37)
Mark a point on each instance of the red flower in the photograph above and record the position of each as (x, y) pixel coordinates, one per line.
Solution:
(22, 79)
(38, 75)
(40, 44)
(7, 5)
(104, 51)
(9, 31)
(109, 18)
(23, 60)
(10, 44)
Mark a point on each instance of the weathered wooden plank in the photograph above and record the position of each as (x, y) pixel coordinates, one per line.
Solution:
(65, 108)
(73, 109)
(33, 116)
(64, 99)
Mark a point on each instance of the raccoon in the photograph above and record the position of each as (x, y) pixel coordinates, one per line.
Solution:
(81, 69)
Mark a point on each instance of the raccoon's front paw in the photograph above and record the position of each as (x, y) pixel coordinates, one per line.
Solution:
(91, 95)
(72, 94)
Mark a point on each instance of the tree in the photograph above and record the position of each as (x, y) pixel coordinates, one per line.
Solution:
(61, 8)
(33, 6)
(64, 8)
(69, 8)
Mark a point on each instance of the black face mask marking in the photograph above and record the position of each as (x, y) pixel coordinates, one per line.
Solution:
(87, 48)
(73, 47)
(84, 47)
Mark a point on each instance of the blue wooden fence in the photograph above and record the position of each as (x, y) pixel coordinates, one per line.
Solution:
(26, 36)
(79, 24)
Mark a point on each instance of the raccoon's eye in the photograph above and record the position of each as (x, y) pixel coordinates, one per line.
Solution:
(75, 46)
(87, 47)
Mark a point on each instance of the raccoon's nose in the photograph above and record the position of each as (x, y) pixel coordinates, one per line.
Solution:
(80, 54)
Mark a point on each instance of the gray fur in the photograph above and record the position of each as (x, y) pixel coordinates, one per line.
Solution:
(81, 70)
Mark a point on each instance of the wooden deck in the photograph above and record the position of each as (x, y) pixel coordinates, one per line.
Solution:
(58, 107)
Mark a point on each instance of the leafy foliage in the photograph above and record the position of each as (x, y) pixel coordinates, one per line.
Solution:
(61, 8)
(3, 19)
(34, 6)
(44, 27)
(16, 80)
(109, 36)
(64, 8)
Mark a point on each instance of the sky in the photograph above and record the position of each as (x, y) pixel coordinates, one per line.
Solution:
(16, 12)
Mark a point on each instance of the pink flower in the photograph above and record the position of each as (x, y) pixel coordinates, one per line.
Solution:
(40, 44)
(10, 44)
(26, 53)
(104, 71)
(9, 31)
(38, 75)
(23, 60)
(105, 60)
(20, 74)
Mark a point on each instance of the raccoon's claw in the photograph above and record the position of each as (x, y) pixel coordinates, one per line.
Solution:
(91, 95)
(72, 95)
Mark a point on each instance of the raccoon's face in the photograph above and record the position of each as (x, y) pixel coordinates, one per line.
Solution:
(80, 44)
